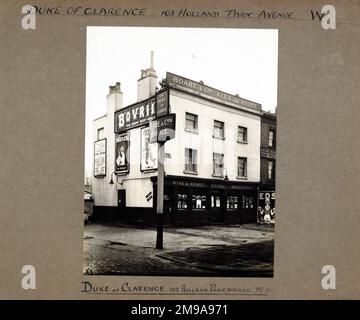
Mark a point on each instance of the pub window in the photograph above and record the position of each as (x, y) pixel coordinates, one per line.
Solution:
(198, 202)
(232, 202)
(242, 167)
(271, 170)
(242, 134)
(218, 164)
(190, 160)
(271, 138)
(191, 122)
(182, 201)
(100, 133)
(219, 129)
(215, 202)
(247, 202)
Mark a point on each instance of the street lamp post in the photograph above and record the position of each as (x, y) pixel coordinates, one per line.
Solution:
(160, 197)
(117, 179)
(162, 129)
(111, 178)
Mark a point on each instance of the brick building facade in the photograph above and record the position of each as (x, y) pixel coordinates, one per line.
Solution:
(268, 151)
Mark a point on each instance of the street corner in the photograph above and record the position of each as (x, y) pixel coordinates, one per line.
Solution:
(203, 251)
(223, 234)
(228, 260)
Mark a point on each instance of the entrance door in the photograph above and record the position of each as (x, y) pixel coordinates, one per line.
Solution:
(248, 207)
(121, 198)
(216, 207)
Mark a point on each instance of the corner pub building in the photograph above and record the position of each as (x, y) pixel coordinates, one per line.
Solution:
(212, 166)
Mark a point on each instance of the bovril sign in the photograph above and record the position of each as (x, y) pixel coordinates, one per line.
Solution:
(134, 115)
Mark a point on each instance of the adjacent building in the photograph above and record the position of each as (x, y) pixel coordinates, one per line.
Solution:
(267, 194)
(213, 166)
(268, 151)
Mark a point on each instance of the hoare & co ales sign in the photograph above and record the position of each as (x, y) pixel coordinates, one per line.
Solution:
(134, 115)
(205, 91)
(162, 128)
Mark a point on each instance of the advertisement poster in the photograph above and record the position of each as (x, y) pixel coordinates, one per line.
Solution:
(122, 164)
(148, 151)
(100, 158)
(266, 207)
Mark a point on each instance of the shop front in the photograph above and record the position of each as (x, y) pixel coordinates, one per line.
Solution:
(192, 201)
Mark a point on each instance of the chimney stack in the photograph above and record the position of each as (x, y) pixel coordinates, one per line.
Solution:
(114, 98)
(152, 60)
(146, 85)
(114, 89)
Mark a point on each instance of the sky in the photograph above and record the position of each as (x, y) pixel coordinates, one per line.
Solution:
(237, 61)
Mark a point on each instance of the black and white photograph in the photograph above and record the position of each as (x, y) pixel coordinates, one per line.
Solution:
(180, 151)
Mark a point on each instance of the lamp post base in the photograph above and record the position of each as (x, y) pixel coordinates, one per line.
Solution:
(160, 230)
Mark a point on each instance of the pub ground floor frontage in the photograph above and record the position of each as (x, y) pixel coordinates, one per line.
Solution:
(191, 201)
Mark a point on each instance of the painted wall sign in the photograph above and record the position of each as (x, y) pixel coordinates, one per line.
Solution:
(189, 184)
(266, 207)
(202, 90)
(148, 151)
(122, 153)
(166, 127)
(233, 187)
(266, 152)
(100, 158)
(213, 185)
(162, 103)
(134, 115)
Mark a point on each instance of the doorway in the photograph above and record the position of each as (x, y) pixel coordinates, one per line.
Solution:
(216, 207)
(122, 199)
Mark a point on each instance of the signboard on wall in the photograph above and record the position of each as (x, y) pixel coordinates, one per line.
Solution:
(148, 151)
(122, 153)
(162, 102)
(205, 91)
(266, 207)
(166, 127)
(134, 115)
(100, 158)
(162, 128)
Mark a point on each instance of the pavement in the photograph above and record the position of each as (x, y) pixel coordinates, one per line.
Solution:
(234, 250)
